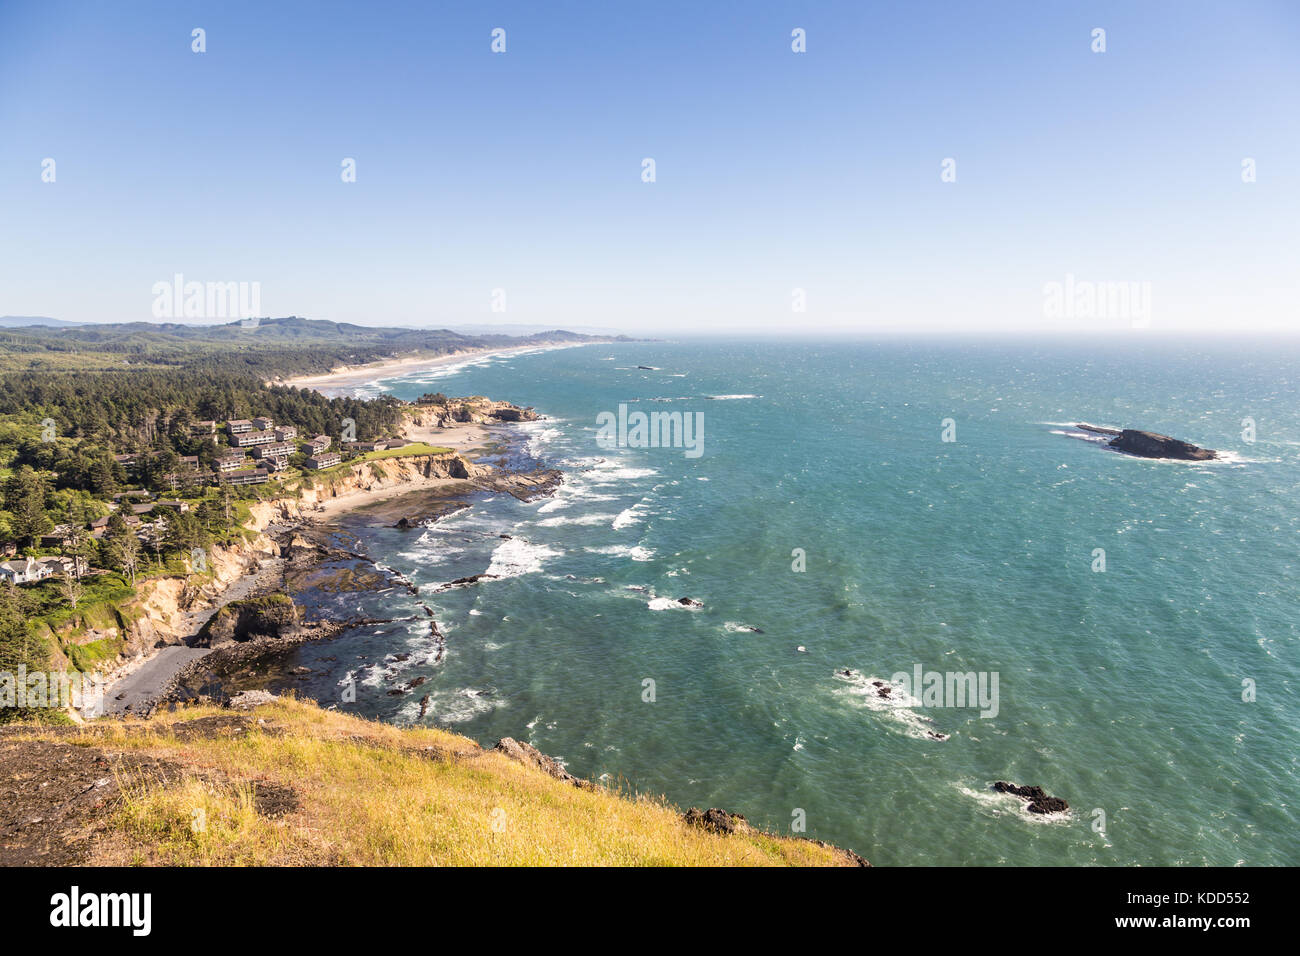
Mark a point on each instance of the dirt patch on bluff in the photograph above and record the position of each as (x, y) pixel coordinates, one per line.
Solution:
(59, 788)
(56, 797)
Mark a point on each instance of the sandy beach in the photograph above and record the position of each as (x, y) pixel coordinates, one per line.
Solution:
(344, 379)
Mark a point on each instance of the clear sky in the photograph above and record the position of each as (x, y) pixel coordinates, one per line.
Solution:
(774, 170)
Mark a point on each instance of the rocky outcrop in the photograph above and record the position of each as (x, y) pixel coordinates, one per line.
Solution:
(528, 754)
(274, 615)
(249, 699)
(476, 409)
(470, 579)
(724, 823)
(389, 472)
(1039, 801)
(1152, 445)
(1144, 444)
(715, 820)
(1097, 429)
(524, 485)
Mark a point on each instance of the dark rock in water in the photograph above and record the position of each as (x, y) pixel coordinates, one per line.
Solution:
(1099, 429)
(714, 820)
(690, 602)
(424, 706)
(472, 579)
(1039, 801)
(406, 524)
(648, 368)
(1151, 445)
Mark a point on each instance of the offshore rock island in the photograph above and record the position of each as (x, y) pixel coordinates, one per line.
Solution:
(1144, 444)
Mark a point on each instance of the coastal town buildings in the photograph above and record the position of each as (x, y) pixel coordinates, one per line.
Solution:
(248, 476)
(326, 459)
(250, 439)
(274, 450)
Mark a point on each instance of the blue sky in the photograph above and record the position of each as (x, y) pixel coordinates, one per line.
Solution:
(775, 171)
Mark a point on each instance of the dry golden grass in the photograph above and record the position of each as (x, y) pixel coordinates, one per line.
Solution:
(364, 793)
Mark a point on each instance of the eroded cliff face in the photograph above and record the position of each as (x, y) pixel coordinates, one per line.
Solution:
(387, 473)
(168, 610)
(477, 410)
(165, 610)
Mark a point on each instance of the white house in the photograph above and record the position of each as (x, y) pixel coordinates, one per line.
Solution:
(24, 570)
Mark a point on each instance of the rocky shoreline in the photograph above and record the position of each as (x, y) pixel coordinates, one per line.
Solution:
(170, 646)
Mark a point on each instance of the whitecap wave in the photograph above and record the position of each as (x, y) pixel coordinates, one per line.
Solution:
(890, 700)
(519, 556)
(634, 551)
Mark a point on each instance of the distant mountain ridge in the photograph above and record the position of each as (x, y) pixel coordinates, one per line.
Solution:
(23, 321)
(281, 346)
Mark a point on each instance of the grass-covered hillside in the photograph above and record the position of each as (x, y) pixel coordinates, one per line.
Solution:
(288, 783)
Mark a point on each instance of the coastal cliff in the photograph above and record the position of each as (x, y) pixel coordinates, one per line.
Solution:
(168, 609)
(438, 411)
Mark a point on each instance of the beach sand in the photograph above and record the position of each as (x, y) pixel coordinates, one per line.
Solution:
(344, 380)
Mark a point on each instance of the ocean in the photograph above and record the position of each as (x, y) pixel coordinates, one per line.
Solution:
(1131, 623)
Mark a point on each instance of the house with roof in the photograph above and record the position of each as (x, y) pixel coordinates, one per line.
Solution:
(24, 571)
(252, 438)
(56, 564)
(326, 459)
(231, 461)
(237, 426)
(282, 449)
(248, 476)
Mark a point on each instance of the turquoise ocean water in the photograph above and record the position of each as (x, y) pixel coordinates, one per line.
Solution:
(1119, 690)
